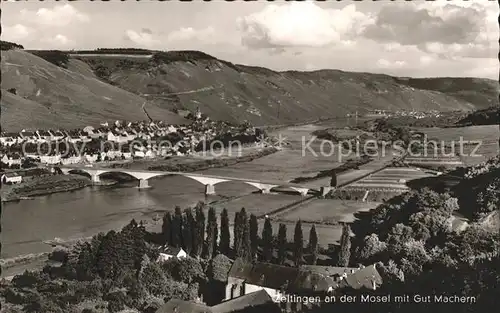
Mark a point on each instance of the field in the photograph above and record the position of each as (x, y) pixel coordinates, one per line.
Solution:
(327, 234)
(390, 178)
(487, 135)
(327, 211)
(258, 204)
(380, 186)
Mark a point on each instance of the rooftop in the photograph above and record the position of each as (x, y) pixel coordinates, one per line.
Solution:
(240, 304)
(181, 306)
(362, 278)
(254, 299)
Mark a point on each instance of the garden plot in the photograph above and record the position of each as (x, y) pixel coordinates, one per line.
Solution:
(326, 211)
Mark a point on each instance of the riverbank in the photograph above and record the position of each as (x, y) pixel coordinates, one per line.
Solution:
(64, 183)
(43, 186)
(198, 162)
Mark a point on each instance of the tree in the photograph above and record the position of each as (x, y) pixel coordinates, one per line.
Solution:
(237, 233)
(282, 244)
(267, 241)
(166, 228)
(345, 247)
(298, 239)
(177, 228)
(371, 247)
(154, 279)
(211, 244)
(225, 239)
(187, 231)
(186, 270)
(313, 245)
(200, 231)
(216, 234)
(254, 237)
(246, 247)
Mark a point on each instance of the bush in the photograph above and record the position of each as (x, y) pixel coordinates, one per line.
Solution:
(55, 57)
(6, 45)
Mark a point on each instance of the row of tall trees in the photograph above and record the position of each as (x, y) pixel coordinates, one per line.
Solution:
(188, 230)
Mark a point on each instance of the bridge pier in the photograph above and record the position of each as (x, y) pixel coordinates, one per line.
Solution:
(209, 189)
(325, 190)
(143, 183)
(265, 191)
(95, 179)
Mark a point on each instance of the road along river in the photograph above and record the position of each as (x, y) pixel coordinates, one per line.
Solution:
(85, 212)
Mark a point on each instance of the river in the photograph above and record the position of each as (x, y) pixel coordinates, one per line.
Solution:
(85, 212)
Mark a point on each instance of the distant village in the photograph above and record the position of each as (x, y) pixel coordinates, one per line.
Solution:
(118, 141)
(414, 114)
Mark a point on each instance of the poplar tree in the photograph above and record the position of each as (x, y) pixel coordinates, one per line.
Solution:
(267, 241)
(254, 236)
(243, 234)
(187, 231)
(282, 244)
(345, 247)
(166, 228)
(200, 231)
(237, 234)
(225, 237)
(210, 244)
(177, 228)
(298, 239)
(246, 246)
(313, 245)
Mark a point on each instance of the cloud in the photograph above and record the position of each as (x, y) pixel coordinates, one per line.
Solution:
(455, 50)
(16, 32)
(58, 41)
(206, 35)
(59, 15)
(448, 29)
(147, 31)
(426, 60)
(383, 63)
(142, 38)
(300, 24)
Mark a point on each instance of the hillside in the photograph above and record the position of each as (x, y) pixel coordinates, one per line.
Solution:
(51, 96)
(106, 85)
(487, 116)
(188, 79)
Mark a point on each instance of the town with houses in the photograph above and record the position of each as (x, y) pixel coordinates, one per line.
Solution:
(119, 141)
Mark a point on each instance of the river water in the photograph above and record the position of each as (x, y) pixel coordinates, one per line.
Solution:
(85, 212)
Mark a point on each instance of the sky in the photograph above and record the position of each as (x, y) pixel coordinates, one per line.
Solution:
(414, 39)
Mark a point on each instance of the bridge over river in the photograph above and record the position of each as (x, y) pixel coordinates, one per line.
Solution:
(209, 181)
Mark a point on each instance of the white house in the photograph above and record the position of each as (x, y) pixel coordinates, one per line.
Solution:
(127, 155)
(149, 154)
(44, 136)
(91, 158)
(8, 139)
(50, 159)
(171, 252)
(139, 154)
(57, 135)
(74, 138)
(28, 136)
(11, 178)
(115, 137)
(71, 160)
(15, 160)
